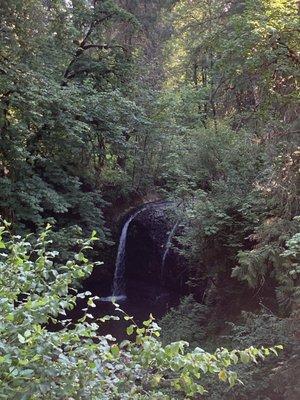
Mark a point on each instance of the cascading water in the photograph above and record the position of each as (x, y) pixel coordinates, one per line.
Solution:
(118, 289)
(119, 281)
(167, 248)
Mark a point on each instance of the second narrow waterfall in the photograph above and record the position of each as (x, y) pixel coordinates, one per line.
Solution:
(167, 248)
(118, 291)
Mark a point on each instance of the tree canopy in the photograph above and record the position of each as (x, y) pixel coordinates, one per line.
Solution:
(105, 104)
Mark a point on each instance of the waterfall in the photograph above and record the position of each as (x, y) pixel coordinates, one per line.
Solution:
(119, 281)
(167, 248)
(118, 287)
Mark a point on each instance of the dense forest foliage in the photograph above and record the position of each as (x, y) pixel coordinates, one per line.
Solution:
(106, 104)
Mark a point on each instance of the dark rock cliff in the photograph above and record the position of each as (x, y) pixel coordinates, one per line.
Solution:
(146, 244)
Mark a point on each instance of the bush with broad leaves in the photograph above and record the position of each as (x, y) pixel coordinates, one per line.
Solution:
(75, 361)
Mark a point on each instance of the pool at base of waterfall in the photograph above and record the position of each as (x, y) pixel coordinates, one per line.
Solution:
(114, 299)
(141, 300)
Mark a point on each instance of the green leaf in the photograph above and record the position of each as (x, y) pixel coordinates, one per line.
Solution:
(130, 330)
(115, 350)
(245, 358)
(21, 338)
(223, 375)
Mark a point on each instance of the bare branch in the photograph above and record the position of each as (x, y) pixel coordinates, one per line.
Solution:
(84, 46)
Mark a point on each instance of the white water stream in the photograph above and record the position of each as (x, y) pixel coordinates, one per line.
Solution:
(167, 248)
(118, 289)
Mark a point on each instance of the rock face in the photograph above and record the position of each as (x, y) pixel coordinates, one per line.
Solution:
(148, 288)
(145, 248)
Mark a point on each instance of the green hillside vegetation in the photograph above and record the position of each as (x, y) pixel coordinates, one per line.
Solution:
(105, 103)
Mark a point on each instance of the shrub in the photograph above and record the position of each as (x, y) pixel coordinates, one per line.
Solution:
(74, 361)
